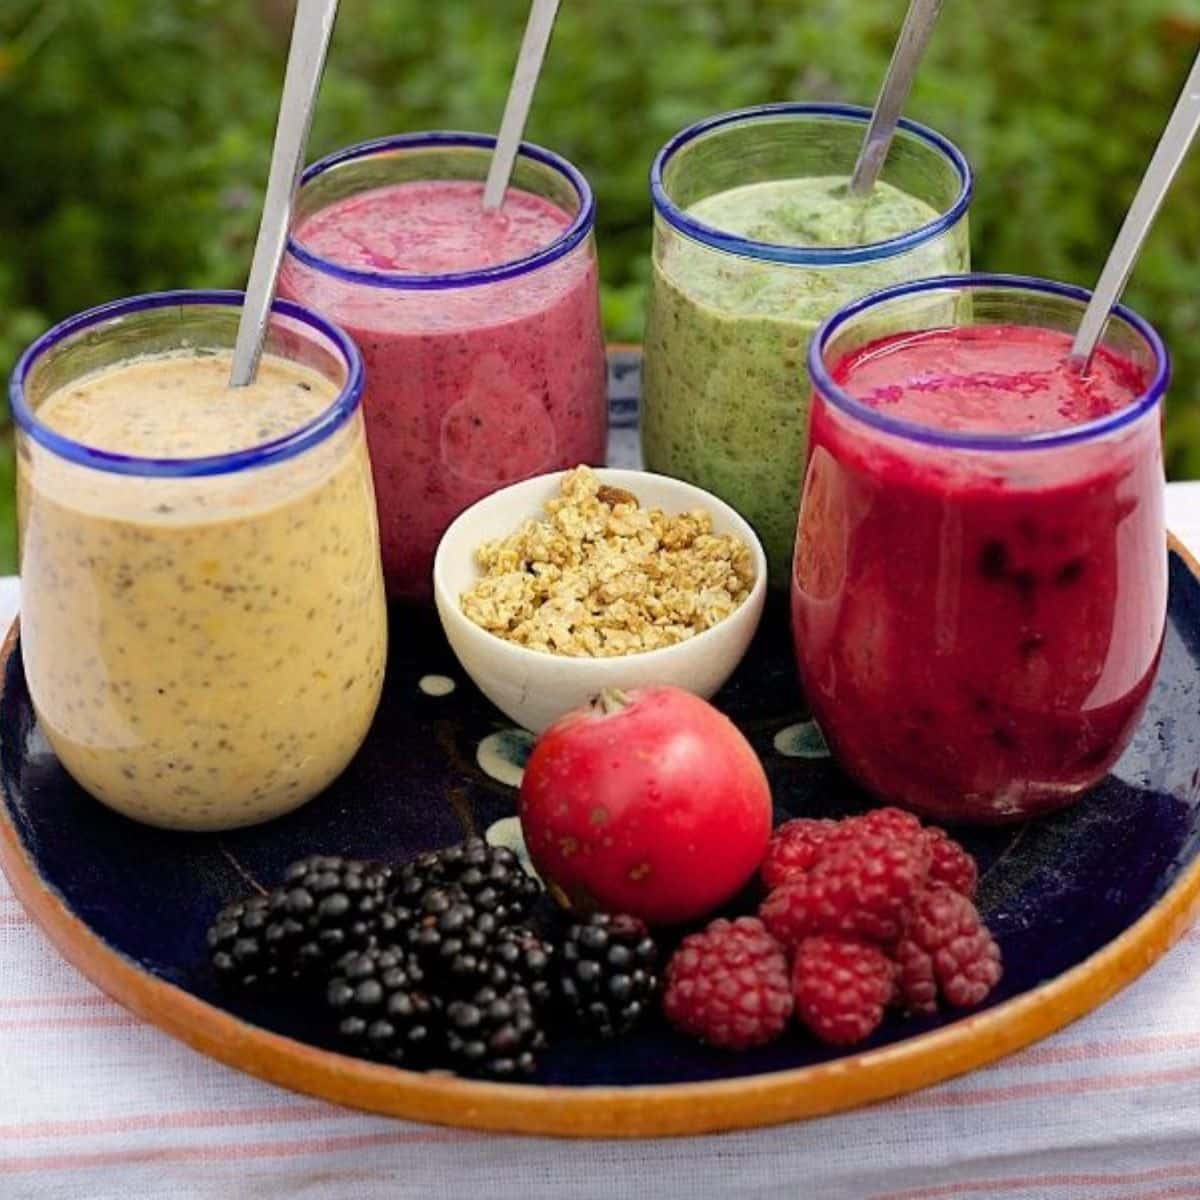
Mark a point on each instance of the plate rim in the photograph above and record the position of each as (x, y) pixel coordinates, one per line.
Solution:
(636, 1111)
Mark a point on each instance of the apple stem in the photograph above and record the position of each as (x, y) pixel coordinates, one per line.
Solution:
(610, 702)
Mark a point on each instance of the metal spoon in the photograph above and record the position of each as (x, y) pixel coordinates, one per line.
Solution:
(311, 32)
(902, 70)
(1172, 149)
(520, 96)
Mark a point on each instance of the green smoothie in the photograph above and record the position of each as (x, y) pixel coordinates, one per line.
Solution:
(725, 390)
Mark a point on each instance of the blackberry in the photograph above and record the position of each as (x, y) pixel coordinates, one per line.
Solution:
(517, 956)
(238, 946)
(494, 1033)
(379, 998)
(326, 906)
(608, 973)
(452, 938)
(491, 876)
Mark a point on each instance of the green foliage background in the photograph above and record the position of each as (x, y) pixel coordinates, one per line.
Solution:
(135, 133)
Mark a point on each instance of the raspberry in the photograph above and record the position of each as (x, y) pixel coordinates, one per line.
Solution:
(886, 821)
(729, 985)
(861, 887)
(794, 849)
(947, 928)
(799, 845)
(916, 983)
(841, 987)
(949, 863)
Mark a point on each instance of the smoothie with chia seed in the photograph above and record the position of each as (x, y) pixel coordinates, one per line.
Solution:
(208, 651)
(725, 390)
(469, 387)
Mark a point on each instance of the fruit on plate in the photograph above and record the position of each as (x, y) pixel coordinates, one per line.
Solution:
(444, 962)
(648, 802)
(873, 911)
(842, 985)
(608, 974)
(494, 1033)
(450, 937)
(323, 907)
(237, 943)
(520, 957)
(862, 886)
(728, 985)
(491, 876)
(448, 961)
(383, 1006)
(945, 931)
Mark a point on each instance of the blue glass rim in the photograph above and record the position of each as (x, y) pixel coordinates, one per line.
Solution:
(580, 227)
(807, 256)
(930, 435)
(264, 454)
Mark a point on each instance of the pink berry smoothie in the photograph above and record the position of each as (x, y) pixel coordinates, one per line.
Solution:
(978, 629)
(472, 383)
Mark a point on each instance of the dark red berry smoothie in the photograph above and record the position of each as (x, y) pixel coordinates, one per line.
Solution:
(469, 387)
(978, 629)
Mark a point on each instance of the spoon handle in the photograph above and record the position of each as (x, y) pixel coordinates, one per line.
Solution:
(1172, 149)
(306, 61)
(919, 21)
(520, 97)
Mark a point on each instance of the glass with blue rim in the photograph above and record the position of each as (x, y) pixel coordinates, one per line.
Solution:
(203, 636)
(979, 606)
(477, 377)
(730, 315)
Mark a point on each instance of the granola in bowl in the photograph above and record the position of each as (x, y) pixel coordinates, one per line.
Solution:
(602, 577)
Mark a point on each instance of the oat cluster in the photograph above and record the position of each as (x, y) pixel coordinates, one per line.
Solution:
(602, 576)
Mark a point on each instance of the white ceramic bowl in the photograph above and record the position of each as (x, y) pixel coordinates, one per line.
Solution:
(533, 688)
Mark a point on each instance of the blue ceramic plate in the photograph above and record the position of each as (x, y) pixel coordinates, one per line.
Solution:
(1081, 902)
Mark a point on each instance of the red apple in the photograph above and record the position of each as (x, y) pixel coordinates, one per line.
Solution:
(647, 802)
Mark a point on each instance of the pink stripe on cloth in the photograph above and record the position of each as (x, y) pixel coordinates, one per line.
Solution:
(1187, 1191)
(202, 1118)
(232, 1151)
(1038, 1056)
(964, 1098)
(1016, 1183)
(116, 1020)
(59, 1000)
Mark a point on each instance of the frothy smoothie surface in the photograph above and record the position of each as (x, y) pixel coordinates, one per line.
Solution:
(469, 386)
(431, 227)
(1006, 379)
(725, 392)
(817, 211)
(181, 406)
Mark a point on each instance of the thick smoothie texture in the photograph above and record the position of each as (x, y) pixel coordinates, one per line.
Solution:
(726, 391)
(978, 630)
(469, 388)
(205, 652)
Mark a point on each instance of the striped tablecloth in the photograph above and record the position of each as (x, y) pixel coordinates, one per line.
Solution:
(96, 1105)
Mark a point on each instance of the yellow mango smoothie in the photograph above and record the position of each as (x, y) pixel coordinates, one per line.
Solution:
(205, 648)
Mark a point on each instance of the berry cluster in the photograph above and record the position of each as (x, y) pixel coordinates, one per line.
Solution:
(437, 963)
(861, 915)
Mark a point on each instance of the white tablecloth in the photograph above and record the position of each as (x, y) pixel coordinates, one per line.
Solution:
(96, 1105)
